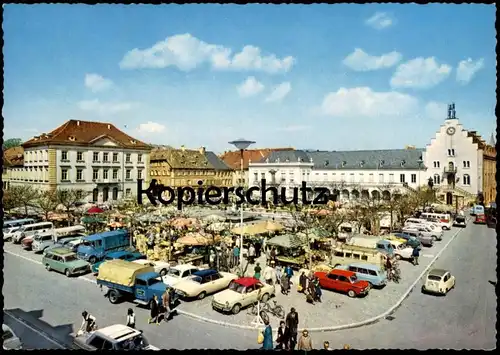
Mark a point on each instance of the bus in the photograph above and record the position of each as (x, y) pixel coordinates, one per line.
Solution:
(16, 223)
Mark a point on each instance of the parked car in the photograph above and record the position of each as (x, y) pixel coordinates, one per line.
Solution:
(71, 243)
(343, 281)
(438, 281)
(428, 231)
(178, 273)
(460, 221)
(410, 239)
(160, 267)
(65, 261)
(42, 241)
(114, 337)
(395, 238)
(204, 282)
(415, 232)
(8, 233)
(403, 251)
(29, 230)
(10, 340)
(480, 219)
(241, 293)
(122, 255)
(374, 274)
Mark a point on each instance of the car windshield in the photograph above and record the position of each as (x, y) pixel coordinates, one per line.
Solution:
(236, 287)
(136, 343)
(353, 278)
(434, 278)
(7, 335)
(174, 273)
(460, 219)
(70, 258)
(195, 278)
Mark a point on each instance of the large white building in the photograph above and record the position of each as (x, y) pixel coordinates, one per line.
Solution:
(94, 157)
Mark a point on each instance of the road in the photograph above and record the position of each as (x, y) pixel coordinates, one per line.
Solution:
(464, 319)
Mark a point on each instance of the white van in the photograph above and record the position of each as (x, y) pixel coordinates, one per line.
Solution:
(444, 219)
(68, 231)
(32, 229)
(416, 221)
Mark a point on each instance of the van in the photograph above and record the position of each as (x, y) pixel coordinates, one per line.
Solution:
(384, 246)
(374, 274)
(347, 254)
(94, 247)
(477, 209)
(29, 230)
(17, 223)
(443, 218)
(68, 232)
(418, 232)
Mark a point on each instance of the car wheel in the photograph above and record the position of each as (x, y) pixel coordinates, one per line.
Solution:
(236, 308)
(114, 297)
(398, 257)
(163, 272)
(67, 273)
(92, 260)
(351, 293)
(47, 267)
(264, 298)
(423, 289)
(201, 295)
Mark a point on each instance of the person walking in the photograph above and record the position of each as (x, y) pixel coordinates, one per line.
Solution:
(155, 311)
(278, 272)
(251, 254)
(292, 323)
(288, 272)
(268, 274)
(273, 254)
(211, 259)
(317, 286)
(131, 318)
(236, 255)
(285, 285)
(281, 340)
(257, 269)
(165, 300)
(415, 254)
(305, 342)
(302, 282)
(268, 336)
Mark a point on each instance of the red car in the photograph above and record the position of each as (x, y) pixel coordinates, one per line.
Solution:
(26, 243)
(343, 281)
(480, 219)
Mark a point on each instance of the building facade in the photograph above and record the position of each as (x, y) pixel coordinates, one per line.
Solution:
(185, 167)
(456, 160)
(233, 160)
(13, 161)
(93, 157)
(349, 174)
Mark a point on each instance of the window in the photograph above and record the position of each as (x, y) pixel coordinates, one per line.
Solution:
(139, 174)
(332, 276)
(437, 179)
(372, 272)
(105, 157)
(128, 192)
(401, 177)
(115, 174)
(339, 254)
(79, 174)
(437, 164)
(255, 176)
(139, 158)
(127, 157)
(215, 277)
(361, 177)
(342, 177)
(95, 156)
(355, 256)
(105, 174)
(391, 177)
(95, 174)
(353, 268)
(364, 257)
(451, 152)
(413, 178)
(363, 271)
(348, 255)
(64, 155)
(466, 164)
(79, 194)
(466, 179)
(370, 177)
(115, 157)
(64, 175)
(380, 177)
(262, 175)
(343, 279)
(79, 156)
(128, 174)
(351, 177)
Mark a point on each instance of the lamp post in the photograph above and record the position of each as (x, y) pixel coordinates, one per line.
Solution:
(420, 162)
(241, 144)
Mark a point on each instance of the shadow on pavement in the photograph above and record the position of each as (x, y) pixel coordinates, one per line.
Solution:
(60, 334)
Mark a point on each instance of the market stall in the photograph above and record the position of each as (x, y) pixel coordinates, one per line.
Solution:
(289, 250)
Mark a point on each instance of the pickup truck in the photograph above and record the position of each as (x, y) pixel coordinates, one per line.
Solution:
(114, 337)
(132, 281)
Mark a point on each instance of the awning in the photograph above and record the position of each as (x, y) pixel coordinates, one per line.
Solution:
(288, 241)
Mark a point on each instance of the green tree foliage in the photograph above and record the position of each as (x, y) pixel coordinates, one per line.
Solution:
(12, 142)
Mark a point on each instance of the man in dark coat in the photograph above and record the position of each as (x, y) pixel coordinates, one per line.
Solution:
(292, 323)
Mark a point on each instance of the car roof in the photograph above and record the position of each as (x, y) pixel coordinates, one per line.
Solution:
(438, 272)
(183, 267)
(246, 281)
(118, 332)
(98, 236)
(203, 273)
(61, 251)
(342, 272)
(365, 266)
(147, 275)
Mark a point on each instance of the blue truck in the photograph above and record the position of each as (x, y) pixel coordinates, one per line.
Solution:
(131, 281)
(96, 246)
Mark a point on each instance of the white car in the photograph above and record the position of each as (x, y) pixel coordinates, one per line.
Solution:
(242, 293)
(160, 267)
(204, 282)
(178, 273)
(438, 281)
(9, 232)
(460, 221)
(402, 250)
(113, 337)
(10, 340)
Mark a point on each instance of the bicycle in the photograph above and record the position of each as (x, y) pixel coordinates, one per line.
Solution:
(253, 311)
(276, 310)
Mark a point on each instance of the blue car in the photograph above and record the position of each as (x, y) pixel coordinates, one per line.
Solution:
(411, 241)
(122, 255)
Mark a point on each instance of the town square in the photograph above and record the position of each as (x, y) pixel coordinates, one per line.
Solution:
(282, 178)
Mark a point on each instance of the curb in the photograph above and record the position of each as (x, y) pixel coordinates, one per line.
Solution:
(343, 326)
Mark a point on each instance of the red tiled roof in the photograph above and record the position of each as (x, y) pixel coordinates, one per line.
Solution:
(233, 159)
(14, 156)
(74, 132)
(246, 281)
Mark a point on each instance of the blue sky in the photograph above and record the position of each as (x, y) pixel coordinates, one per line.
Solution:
(335, 77)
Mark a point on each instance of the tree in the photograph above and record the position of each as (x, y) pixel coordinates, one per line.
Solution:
(25, 196)
(69, 199)
(370, 208)
(10, 198)
(304, 217)
(390, 202)
(11, 143)
(47, 202)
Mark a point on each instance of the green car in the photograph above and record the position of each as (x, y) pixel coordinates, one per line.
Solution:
(65, 261)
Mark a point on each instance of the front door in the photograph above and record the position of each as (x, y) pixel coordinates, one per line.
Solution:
(449, 198)
(58, 263)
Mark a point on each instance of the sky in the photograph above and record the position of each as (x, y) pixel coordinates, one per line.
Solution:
(328, 77)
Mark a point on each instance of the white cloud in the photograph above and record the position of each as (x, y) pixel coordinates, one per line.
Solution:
(279, 92)
(97, 83)
(151, 128)
(296, 128)
(250, 87)
(420, 73)
(380, 20)
(359, 60)
(105, 108)
(467, 69)
(435, 110)
(187, 52)
(362, 102)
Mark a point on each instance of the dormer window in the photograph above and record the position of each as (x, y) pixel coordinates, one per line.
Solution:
(72, 138)
(133, 141)
(381, 163)
(403, 162)
(327, 163)
(361, 163)
(344, 163)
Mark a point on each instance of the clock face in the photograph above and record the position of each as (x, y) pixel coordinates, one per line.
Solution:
(450, 131)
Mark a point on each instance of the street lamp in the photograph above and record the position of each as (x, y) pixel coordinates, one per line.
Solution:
(241, 144)
(419, 162)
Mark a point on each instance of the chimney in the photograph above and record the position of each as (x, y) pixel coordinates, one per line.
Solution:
(183, 148)
(202, 150)
(109, 126)
(77, 123)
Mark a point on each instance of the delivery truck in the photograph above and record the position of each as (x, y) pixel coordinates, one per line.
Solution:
(135, 282)
(383, 246)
